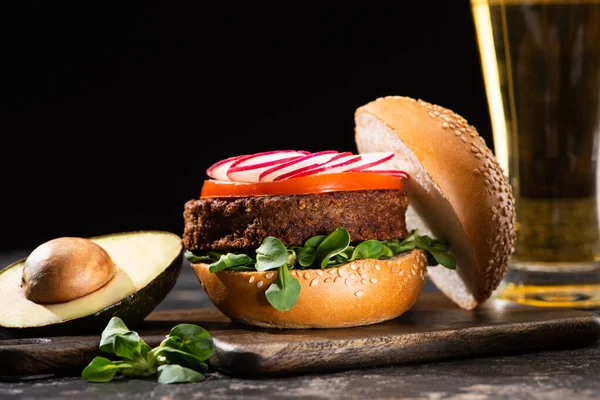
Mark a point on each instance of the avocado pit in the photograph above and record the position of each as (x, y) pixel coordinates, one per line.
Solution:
(65, 269)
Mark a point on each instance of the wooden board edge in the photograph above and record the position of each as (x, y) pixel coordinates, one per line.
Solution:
(263, 359)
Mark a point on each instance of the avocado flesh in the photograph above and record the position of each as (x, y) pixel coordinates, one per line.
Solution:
(148, 264)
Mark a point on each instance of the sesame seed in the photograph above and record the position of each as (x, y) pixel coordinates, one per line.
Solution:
(331, 271)
(327, 280)
(306, 275)
(373, 280)
(359, 293)
(314, 282)
(457, 132)
(348, 282)
(341, 272)
(259, 284)
(393, 269)
(377, 267)
(353, 267)
(412, 271)
(251, 279)
(319, 272)
(353, 276)
(363, 281)
(269, 275)
(401, 272)
(337, 279)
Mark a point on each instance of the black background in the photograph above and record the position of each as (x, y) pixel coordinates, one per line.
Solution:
(114, 112)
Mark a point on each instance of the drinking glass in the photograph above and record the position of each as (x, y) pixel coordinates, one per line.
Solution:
(541, 67)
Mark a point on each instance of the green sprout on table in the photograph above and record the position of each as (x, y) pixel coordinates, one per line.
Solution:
(180, 357)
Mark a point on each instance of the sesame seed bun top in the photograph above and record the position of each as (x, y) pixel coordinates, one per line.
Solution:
(457, 190)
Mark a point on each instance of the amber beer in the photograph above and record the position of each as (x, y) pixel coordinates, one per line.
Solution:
(541, 67)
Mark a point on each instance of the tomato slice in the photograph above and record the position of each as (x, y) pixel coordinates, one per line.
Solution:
(338, 182)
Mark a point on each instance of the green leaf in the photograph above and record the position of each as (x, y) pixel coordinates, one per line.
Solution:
(412, 235)
(178, 374)
(230, 260)
(387, 252)
(368, 249)
(423, 242)
(436, 250)
(335, 243)
(172, 341)
(100, 369)
(191, 257)
(342, 257)
(141, 368)
(439, 245)
(314, 241)
(144, 349)
(169, 355)
(405, 246)
(291, 258)
(284, 291)
(445, 259)
(306, 256)
(271, 254)
(127, 346)
(393, 245)
(346, 254)
(193, 339)
(115, 327)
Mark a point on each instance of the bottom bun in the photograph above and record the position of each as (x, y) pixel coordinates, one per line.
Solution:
(362, 292)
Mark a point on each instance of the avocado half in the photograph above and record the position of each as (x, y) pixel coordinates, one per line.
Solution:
(148, 265)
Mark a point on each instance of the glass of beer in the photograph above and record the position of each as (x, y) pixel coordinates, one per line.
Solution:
(541, 68)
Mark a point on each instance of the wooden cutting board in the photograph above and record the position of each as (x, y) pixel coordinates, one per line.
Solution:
(434, 329)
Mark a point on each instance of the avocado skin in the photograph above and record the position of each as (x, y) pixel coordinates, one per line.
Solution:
(133, 309)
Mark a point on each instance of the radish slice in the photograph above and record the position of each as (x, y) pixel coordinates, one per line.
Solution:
(219, 169)
(341, 164)
(248, 169)
(297, 165)
(317, 162)
(279, 165)
(372, 159)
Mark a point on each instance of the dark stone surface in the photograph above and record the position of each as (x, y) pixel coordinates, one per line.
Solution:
(564, 374)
